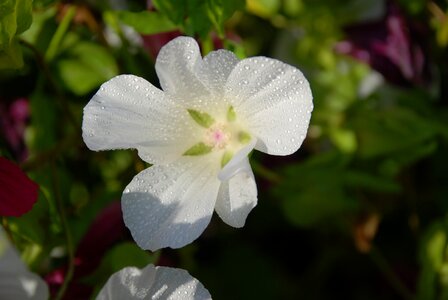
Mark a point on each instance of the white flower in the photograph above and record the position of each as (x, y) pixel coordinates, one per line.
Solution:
(16, 281)
(197, 133)
(153, 283)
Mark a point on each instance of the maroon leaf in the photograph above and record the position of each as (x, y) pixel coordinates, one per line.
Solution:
(18, 193)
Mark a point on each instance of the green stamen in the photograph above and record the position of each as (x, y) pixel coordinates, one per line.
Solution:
(231, 115)
(203, 119)
(226, 157)
(198, 149)
(244, 137)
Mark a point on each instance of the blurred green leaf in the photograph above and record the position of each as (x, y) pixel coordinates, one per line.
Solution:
(433, 281)
(219, 11)
(43, 132)
(174, 9)
(199, 16)
(146, 22)
(15, 18)
(11, 57)
(86, 66)
(314, 191)
(263, 8)
(363, 180)
(385, 131)
(325, 187)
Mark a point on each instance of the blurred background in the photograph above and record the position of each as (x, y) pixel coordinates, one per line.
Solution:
(359, 212)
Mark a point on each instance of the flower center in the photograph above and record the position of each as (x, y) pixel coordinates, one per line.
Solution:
(217, 136)
(225, 135)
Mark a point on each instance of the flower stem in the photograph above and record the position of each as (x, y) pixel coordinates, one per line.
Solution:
(68, 237)
(265, 172)
(60, 32)
(389, 274)
(62, 101)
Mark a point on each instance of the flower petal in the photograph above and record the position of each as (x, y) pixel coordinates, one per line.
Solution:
(237, 196)
(129, 112)
(178, 66)
(275, 100)
(216, 69)
(153, 283)
(237, 163)
(16, 281)
(170, 205)
(18, 193)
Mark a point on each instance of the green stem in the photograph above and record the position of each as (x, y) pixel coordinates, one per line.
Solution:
(389, 274)
(44, 157)
(264, 172)
(62, 101)
(60, 32)
(68, 236)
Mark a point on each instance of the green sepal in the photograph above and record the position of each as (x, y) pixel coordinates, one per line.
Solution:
(198, 149)
(244, 137)
(226, 157)
(203, 119)
(231, 115)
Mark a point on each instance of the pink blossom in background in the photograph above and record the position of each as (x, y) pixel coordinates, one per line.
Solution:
(393, 46)
(14, 116)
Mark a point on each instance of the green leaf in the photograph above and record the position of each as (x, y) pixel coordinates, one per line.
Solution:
(147, 22)
(198, 17)
(203, 119)
(198, 149)
(11, 57)
(433, 282)
(361, 179)
(85, 67)
(174, 9)
(24, 16)
(314, 191)
(15, 18)
(383, 132)
(263, 8)
(42, 134)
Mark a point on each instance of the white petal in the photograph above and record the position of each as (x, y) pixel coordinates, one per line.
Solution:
(275, 100)
(16, 281)
(237, 196)
(216, 69)
(14, 285)
(129, 112)
(178, 67)
(155, 283)
(170, 205)
(237, 163)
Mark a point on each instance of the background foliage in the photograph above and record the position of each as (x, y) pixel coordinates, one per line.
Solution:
(359, 212)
